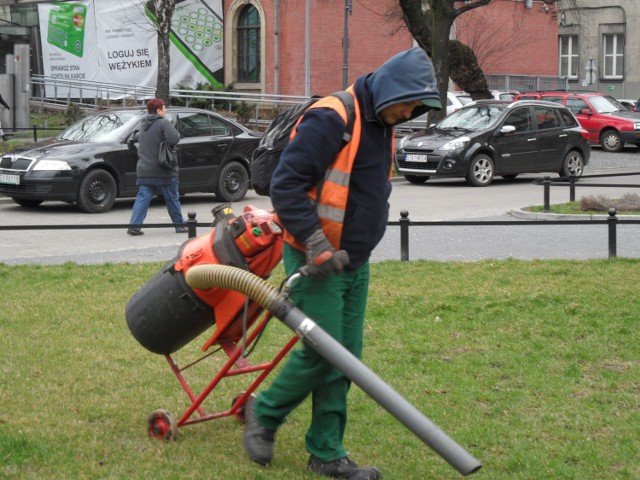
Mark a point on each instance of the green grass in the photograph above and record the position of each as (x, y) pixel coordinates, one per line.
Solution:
(573, 208)
(533, 366)
(627, 204)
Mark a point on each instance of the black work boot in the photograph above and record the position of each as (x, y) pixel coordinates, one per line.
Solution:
(258, 441)
(343, 468)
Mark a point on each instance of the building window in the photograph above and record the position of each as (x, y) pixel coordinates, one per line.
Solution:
(613, 48)
(248, 45)
(569, 61)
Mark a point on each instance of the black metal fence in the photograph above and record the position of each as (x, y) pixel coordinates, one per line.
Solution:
(612, 221)
(48, 131)
(405, 224)
(572, 182)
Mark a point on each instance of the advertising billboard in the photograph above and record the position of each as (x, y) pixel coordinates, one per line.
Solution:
(115, 42)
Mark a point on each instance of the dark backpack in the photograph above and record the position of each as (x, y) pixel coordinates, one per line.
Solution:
(266, 157)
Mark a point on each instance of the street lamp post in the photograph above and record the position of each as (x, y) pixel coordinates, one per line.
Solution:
(348, 8)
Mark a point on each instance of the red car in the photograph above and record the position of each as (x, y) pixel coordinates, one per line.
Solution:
(608, 122)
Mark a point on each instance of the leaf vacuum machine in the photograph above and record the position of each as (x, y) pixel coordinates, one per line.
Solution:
(165, 314)
(218, 281)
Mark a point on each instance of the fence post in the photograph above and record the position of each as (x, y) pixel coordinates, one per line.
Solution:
(191, 224)
(35, 133)
(547, 193)
(572, 187)
(612, 219)
(404, 235)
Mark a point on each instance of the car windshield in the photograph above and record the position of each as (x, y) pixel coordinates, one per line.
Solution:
(464, 99)
(472, 118)
(105, 127)
(606, 104)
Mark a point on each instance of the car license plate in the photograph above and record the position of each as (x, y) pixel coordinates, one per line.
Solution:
(10, 179)
(416, 158)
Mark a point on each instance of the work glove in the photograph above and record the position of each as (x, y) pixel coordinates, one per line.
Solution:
(322, 258)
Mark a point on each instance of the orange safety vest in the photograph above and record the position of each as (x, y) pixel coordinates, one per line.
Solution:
(334, 191)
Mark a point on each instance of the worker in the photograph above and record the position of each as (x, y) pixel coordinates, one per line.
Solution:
(350, 215)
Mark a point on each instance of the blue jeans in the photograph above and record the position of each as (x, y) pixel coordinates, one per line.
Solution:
(146, 194)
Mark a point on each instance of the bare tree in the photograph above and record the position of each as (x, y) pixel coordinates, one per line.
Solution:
(480, 34)
(430, 22)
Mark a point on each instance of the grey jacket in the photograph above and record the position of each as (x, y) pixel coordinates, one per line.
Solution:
(152, 128)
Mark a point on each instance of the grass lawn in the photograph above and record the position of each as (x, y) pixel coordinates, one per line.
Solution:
(532, 366)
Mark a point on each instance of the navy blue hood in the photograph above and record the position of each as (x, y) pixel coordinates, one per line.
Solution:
(405, 77)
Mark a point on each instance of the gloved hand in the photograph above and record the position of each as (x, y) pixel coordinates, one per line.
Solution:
(322, 258)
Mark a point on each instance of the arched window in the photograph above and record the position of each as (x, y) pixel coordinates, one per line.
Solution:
(248, 45)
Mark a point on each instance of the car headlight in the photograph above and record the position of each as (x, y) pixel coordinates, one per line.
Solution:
(56, 165)
(455, 144)
(636, 126)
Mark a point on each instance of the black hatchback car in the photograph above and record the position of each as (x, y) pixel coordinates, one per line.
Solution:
(93, 162)
(496, 138)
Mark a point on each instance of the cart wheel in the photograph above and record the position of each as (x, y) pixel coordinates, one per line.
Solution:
(240, 412)
(162, 425)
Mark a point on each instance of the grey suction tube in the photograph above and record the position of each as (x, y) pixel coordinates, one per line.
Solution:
(266, 295)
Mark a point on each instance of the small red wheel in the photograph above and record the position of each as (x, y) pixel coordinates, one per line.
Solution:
(162, 425)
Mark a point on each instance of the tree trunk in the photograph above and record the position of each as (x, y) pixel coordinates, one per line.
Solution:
(431, 28)
(164, 11)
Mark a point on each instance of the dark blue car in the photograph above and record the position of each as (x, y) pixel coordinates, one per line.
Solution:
(492, 138)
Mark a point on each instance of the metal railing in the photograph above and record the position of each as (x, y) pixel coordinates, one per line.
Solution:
(96, 95)
(572, 182)
(612, 221)
(405, 223)
(527, 83)
(35, 129)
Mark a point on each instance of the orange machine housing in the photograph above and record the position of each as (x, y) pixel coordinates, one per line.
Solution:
(166, 313)
(252, 241)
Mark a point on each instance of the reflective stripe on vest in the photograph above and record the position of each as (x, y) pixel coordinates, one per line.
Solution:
(334, 190)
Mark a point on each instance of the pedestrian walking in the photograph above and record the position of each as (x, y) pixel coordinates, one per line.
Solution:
(153, 178)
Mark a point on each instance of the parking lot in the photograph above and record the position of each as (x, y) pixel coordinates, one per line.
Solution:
(435, 201)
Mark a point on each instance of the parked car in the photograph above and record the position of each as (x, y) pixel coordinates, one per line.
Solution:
(492, 138)
(455, 101)
(507, 95)
(93, 162)
(608, 122)
(627, 102)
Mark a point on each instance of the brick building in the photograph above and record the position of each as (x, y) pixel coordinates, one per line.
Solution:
(300, 54)
(273, 46)
(512, 37)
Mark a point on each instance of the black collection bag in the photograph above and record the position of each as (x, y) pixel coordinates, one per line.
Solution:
(168, 155)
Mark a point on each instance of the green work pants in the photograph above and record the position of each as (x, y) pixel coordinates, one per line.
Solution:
(337, 304)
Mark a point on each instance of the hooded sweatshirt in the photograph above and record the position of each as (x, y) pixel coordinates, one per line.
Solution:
(406, 77)
(152, 127)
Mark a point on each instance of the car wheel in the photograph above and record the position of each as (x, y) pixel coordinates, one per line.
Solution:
(611, 141)
(27, 202)
(417, 179)
(480, 172)
(233, 182)
(573, 164)
(97, 192)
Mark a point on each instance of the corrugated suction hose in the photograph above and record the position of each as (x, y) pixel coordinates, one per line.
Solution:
(203, 277)
(267, 296)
